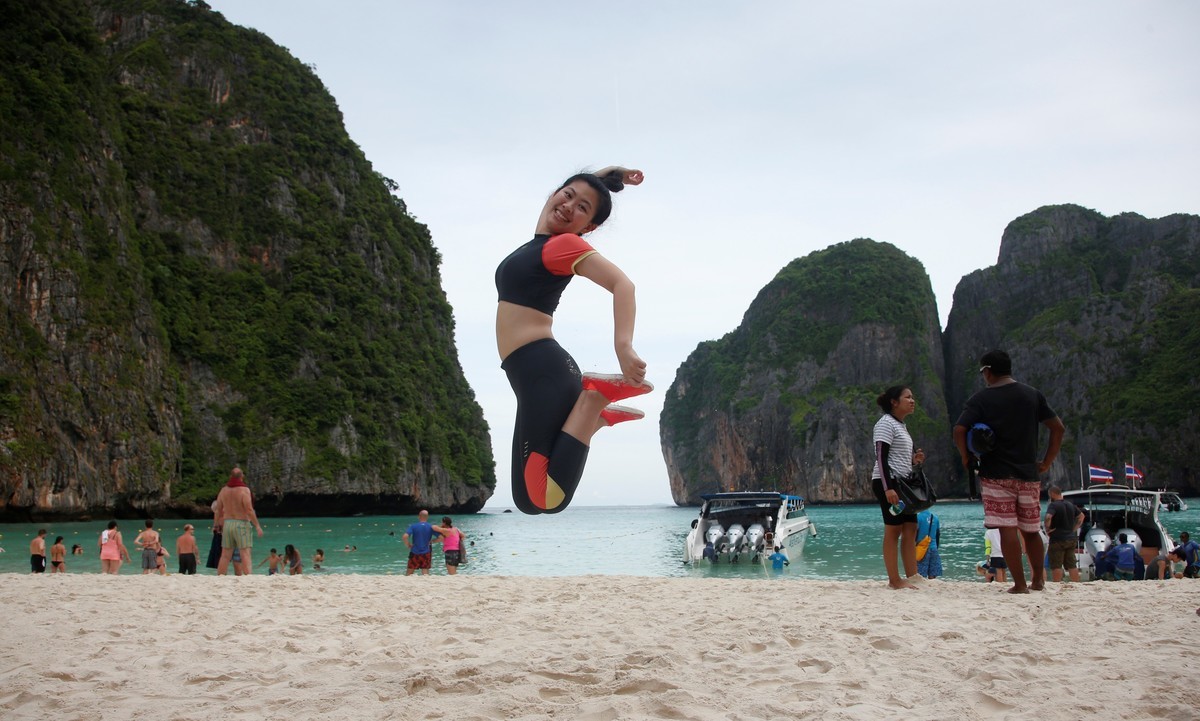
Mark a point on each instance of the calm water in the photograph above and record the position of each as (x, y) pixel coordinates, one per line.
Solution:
(634, 540)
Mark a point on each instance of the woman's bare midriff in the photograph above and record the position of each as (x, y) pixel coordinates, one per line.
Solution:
(517, 325)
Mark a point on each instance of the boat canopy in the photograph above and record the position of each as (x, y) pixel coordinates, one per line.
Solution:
(1145, 501)
(751, 497)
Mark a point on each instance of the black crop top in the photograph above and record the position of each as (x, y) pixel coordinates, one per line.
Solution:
(536, 274)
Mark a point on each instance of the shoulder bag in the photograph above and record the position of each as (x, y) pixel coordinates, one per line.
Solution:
(915, 490)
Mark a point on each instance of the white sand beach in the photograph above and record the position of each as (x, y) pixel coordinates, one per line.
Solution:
(596, 647)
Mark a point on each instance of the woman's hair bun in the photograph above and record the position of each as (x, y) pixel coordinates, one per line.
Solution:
(613, 180)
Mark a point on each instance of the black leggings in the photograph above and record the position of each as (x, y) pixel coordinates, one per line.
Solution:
(547, 463)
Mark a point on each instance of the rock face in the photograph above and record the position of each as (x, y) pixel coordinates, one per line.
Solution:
(1099, 313)
(200, 269)
(787, 401)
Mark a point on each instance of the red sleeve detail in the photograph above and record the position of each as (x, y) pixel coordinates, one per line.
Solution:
(562, 252)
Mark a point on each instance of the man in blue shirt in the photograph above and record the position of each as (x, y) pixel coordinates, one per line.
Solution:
(778, 560)
(1125, 555)
(1191, 549)
(419, 539)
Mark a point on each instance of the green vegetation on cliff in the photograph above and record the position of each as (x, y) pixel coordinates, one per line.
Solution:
(786, 401)
(195, 168)
(1099, 313)
(799, 318)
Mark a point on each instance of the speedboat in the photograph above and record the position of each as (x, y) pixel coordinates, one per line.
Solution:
(1172, 501)
(1111, 510)
(748, 525)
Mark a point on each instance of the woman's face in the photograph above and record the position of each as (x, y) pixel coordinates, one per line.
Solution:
(569, 210)
(905, 404)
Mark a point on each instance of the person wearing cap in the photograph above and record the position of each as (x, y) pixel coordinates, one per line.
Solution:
(186, 551)
(1008, 472)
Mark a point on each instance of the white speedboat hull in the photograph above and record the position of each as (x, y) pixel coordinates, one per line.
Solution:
(783, 519)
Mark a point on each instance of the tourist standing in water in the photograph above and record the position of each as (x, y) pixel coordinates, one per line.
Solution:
(112, 549)
(558, 408)
(452, 539)
(894, 458)
(234, 518)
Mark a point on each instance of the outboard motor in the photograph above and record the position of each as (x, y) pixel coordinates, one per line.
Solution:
(1132, 537)
(754, 539)
(716, 536)
(1097, 541)
(736, 535)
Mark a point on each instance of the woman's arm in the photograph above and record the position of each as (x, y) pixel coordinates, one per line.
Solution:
(605, 274)
(881, 454)
(628, 176)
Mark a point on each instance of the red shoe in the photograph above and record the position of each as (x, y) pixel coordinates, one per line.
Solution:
(615, 414)
(613, 386)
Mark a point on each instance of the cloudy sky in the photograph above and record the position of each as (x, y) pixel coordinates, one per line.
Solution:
(766, 130)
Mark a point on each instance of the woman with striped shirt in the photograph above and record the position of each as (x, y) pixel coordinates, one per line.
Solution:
(894, 458)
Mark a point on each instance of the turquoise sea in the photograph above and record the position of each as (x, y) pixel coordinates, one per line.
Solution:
(629, 540)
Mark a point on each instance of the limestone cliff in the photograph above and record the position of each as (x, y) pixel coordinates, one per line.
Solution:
(201, 269)
(786, 401)
(1103, 315)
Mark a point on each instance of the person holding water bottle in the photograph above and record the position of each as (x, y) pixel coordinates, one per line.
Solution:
(894, 458)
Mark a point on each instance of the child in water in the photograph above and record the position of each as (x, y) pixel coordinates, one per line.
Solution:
(274, 560)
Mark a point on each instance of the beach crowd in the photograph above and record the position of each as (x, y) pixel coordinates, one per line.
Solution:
(235, 525)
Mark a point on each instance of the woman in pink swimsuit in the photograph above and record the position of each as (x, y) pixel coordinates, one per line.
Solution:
(112, 550)
(451, 544)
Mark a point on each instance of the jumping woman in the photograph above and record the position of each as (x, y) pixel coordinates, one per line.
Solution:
(558, 408)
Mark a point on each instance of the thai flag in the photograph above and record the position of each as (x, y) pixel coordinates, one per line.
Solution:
(1132, 473)
(1097, 474)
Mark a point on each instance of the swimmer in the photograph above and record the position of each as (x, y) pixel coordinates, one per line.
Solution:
(58, 555)
(558, 408)
(318, 559)
(292, 557)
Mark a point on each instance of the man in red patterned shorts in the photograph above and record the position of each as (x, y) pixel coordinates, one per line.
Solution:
(1008, 473)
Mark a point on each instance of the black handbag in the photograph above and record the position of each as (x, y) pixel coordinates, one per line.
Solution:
(915, 490)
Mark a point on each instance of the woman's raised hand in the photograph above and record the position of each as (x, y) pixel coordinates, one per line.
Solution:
(628, 176)
(632, 366)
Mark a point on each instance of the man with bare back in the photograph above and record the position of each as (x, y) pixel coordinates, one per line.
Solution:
(149, 542)
(234, 517)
